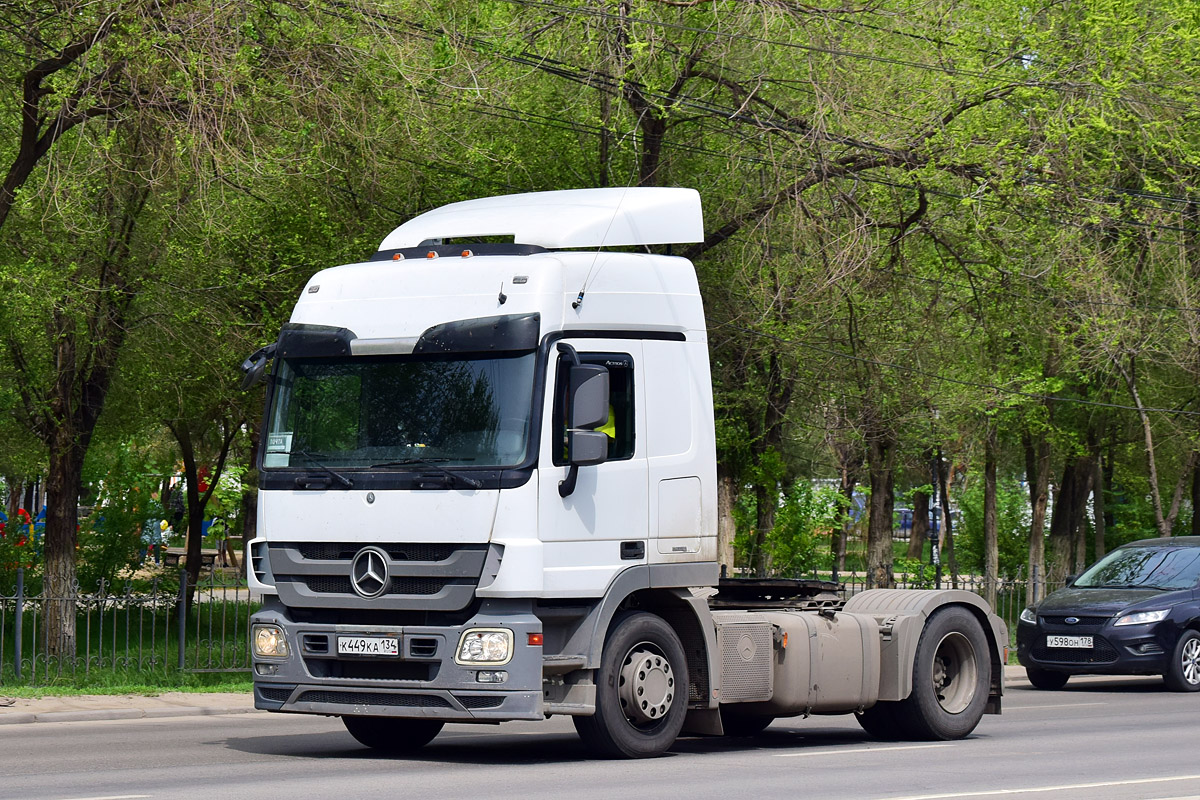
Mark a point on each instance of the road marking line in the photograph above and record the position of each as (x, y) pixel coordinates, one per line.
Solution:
(1038, 789)
(1056, 705)
(114, 797)
(861, 750)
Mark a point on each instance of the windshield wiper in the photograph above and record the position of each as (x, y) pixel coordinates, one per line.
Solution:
(432, 464)
(313, 459)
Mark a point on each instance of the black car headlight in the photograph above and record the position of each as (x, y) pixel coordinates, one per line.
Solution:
(1142, 617)
(1029, 615)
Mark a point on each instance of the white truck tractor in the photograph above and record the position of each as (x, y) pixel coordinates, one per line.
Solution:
(487, 492)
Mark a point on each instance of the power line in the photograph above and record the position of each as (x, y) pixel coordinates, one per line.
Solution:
(957, 381)
(559, 9)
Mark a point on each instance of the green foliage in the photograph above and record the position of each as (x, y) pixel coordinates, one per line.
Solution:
(1012, 527)
(799, 542)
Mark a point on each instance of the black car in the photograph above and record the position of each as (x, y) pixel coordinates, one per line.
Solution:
(1134, 612)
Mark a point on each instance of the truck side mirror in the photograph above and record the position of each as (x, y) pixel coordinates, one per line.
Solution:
(587, 407)
(587, 398)
(254, 366)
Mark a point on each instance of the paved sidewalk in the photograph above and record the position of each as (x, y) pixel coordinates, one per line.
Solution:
(81, 708)
(84, 708)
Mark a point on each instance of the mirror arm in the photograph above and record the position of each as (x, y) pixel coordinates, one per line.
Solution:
(566, 487)
(569, 352)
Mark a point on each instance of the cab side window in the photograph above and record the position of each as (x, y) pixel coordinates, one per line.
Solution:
(620, 424)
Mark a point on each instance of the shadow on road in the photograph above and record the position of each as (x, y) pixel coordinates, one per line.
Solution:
(497, 747)
(1092, 684)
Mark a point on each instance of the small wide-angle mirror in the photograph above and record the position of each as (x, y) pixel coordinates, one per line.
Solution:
(254, 366)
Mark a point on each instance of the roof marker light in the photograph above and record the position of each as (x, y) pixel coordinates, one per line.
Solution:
(467, 254)
(398, 257)
(431, 254)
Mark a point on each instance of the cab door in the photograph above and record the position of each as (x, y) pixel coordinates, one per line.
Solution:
(601, 527)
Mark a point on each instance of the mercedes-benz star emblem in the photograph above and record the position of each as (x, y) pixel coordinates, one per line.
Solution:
(369, 572)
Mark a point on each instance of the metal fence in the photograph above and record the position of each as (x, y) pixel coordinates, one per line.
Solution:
(123, 634)
(152, 635)
(1008, 596)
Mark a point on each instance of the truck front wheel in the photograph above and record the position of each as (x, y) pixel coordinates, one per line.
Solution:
(641, 690)
(952, 674)
(392, 734)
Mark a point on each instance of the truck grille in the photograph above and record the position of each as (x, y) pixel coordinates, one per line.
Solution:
(420, 576)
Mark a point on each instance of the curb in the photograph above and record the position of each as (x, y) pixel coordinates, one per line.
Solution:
(106, 714)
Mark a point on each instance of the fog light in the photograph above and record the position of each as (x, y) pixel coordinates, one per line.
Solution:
(266, 669)
(491, 676)
(485, 646)
(269, 641)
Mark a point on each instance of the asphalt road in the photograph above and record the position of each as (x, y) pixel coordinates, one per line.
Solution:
(1112, 739)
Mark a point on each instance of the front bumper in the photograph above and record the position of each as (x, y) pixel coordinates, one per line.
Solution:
(422, 681)
(1125, 650)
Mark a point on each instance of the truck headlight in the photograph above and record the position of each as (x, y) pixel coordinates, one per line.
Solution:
(269, 641)
(485, 646)
(1142, 617)
(1030, 616)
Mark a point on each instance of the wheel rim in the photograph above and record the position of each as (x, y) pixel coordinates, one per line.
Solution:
(1190, 661)
(955, 673)
(647, 685)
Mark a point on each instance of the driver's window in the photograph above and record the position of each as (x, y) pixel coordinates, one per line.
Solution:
(620, 424)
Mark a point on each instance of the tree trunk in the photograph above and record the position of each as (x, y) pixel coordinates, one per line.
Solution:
(1069, 512)
(1098, 483)
(881, 454)
(842, 533)
(1196, 503)
(726, 528)
(1037, 475)
(13, 498)
(920, 525)
(947, 538)
(61, 537)
(1083, 476)
(991, 546)
(766, 499)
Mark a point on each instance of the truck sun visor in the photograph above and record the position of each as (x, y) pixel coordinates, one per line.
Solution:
(314, 341)
(481, 335)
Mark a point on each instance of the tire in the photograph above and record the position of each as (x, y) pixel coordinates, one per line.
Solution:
(884, 721)
(739, 723)
(1045, 679)
(952, 673)
(392, 734)
(1184, 673)
(641, 690)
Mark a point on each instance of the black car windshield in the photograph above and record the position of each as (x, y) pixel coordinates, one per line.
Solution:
(1146, 568)
(395, 412)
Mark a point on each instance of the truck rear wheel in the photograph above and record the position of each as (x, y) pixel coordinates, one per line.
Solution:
(392, 734)
(641, 690)
(952, 674)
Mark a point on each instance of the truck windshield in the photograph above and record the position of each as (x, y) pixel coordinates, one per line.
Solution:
(394, 412)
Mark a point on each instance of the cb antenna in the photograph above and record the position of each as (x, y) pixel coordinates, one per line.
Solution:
(578, 301)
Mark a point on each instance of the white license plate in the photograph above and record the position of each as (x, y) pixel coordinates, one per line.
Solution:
(368, 646)
(1076, 642)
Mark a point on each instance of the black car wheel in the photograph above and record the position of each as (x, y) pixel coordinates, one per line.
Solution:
(1183, 675)
(1045, 679)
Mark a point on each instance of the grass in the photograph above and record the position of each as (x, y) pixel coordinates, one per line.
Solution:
(135, 650)
(225, 683)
